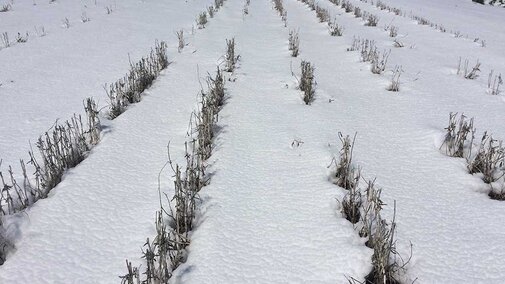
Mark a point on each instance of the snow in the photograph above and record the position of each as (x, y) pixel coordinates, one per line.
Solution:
(270, 213)
(68, 65)
(270, 228)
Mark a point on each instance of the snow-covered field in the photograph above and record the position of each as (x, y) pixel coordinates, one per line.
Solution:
(270, 213)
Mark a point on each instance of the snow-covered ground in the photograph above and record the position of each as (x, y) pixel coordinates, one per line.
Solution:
(66, 66)
(270, 213)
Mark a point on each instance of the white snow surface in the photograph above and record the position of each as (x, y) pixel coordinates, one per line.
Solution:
(270, 213)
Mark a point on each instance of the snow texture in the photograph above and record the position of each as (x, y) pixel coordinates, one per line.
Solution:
(270, 213)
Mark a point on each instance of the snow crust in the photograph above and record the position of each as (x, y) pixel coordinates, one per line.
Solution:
(270, 214)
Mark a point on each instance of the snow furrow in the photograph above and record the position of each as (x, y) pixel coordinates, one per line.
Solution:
(69, 65)
(398, 139)
(104, 208)
(269, 215)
